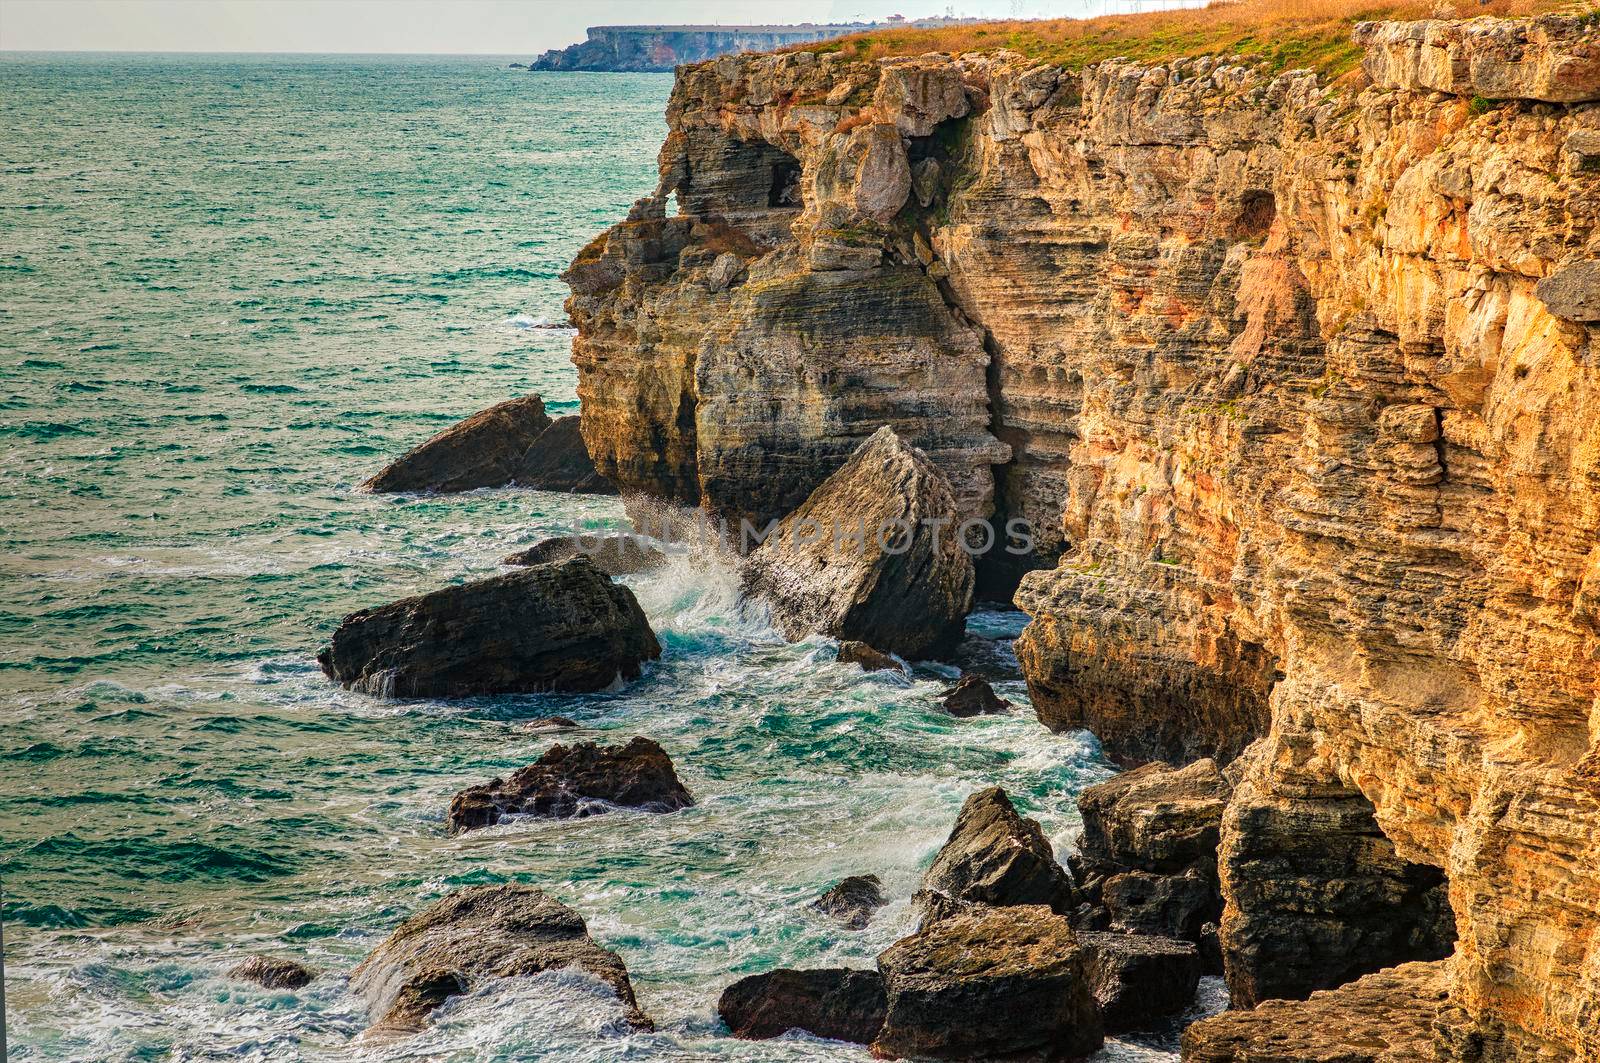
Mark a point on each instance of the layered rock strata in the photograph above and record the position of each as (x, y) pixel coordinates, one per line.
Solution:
(1299, 381)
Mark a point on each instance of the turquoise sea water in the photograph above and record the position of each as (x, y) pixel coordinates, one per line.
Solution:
(230, 289)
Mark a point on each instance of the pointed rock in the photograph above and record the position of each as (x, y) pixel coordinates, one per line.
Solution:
(559, 461)
(871, 556)
(994, 857)
(485, 450)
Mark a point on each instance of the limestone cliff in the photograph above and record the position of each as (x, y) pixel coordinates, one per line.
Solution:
(1299, 386)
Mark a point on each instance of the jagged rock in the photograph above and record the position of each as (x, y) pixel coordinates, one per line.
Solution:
(852, 901)
(553, 627)
(471, 937)
(831, 1002)
(1000, 983)
(615, 555)
(1387, 1017)
(852, 652)
(1138, 979)
(1573, 291)
(903, 586)
(993, 857)
(272, 972)
(1553, 57)
(972, 696)
(579, 780)
(558, 461)
(485, 450)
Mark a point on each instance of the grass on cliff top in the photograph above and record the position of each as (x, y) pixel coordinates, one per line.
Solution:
(1274, 35)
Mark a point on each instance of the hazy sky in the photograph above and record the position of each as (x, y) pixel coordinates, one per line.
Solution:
(496, 27)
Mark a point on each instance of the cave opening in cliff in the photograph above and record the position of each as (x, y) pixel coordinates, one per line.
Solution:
(1257, 211)
(784, 190)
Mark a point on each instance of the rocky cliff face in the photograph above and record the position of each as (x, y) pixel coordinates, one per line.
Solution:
(1299, 387)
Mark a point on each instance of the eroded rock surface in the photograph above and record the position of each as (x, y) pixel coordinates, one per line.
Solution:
(1138, 979)
(871, 556)
(871, 660)
(471, 937)
(831, 1002)
(584, 779)
(852, 901)
(272, 972)
(994, 857)
(999, 983)
(972, 696)
(485, 450)
(552, 627)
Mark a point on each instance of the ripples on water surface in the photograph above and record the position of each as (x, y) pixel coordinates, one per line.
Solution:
(230, 288)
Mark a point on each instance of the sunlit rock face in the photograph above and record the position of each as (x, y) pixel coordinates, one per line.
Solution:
(1298, 387)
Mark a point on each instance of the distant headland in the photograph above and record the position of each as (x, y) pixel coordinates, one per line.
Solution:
(645, 48)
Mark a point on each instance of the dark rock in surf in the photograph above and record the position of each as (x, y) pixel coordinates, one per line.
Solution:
(553, 627)
(615, 555)
(1137, 980)
(272, 972)
(972, 696)
(996, 983)
(579, 780)
(852, 652)
(485, 450)
(852, 901)
(993, 857)
(546, 724)
(559, 461)
(471, 937)
(832, 1002)
(903, 586)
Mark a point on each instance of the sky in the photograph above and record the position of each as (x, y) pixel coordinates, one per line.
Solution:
(491, 27)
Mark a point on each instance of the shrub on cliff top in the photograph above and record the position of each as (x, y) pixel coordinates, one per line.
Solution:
(1273, 34)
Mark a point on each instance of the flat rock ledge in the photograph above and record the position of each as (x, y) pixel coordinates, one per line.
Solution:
(575, 781)
(831, 1002)
(471, 937)
(903, 585)
(994, 856)
(563, 627)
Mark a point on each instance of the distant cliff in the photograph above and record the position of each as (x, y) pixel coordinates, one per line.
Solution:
(642, 48)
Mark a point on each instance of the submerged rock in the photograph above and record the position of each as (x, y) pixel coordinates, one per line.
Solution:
(852, 652)
(972, 696)
(546, 724)
(485, 450)
(852, 900)
(272, 972)
(999, 983)
(579, 780)
(615, 555)
(471, 937)
(1138, 979)
(558, 461)
(553, 627)
(994, 857)
(871, 556)
(831, 1002)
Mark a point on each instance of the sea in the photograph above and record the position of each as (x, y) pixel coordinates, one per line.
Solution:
(231, 288)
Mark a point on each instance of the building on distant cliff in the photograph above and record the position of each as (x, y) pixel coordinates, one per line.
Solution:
(661, 48)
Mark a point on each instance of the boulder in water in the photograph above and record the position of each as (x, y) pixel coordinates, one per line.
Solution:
(272, 972)
(578, 780)
(832, 1002)
(615, 555)
(552, 627)
(872, 556)
(485, 450)
(852, 900)
(1137, 979)
(994, 857)
(471, 937)
(852, 652)
(996, 983)
(559, 461)
(972, 696)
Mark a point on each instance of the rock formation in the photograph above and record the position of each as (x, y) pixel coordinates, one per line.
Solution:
(1000, 983)
(615, 555)
(852, 901)
(1297, 380)
(470, 937)
(557, 461)
(579, 780)
(972, 696)
(272, 972)
(872, 555)
(994, 857)
(485, 450)
(1137, 979)
(870, 660)
(831, 1002)
(552, 627)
